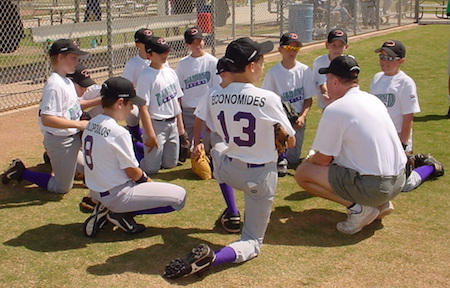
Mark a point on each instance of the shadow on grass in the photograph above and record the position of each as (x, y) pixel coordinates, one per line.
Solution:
(427, 118)
(179, 244)
(314, 227)
(298, 196)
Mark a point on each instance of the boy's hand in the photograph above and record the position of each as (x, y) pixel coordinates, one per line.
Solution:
(151, 142)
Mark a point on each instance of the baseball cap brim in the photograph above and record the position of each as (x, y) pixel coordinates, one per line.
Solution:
(388, 50)
(138, 101)
(86, 82)
(265, 47)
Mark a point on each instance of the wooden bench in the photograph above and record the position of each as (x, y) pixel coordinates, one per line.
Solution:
(121, 25)
(439, 10)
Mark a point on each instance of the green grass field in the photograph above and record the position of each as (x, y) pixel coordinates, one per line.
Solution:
(42, 245)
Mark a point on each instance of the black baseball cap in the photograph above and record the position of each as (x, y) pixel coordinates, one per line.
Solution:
(343, 66)
(192, 33)
(394, 48)
(142, 35)
(222, 66)
(82, 76)
(243, 51)
(337, 34)
(66, 45)
(288, 38)
(119, 87)
(157, 45)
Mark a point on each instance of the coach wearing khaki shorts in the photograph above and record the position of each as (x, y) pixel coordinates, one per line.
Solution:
(359, 160)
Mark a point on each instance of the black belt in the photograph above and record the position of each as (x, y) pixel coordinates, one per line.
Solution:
(250, 165)
(165, 120)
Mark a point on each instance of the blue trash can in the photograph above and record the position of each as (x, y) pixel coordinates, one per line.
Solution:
(301, 20)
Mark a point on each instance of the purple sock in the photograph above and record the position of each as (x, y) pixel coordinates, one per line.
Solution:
(139, 150)
(224, 255)
(135, 132)
(157, 210)
(424, 171)
(228, 195)
(38, 178)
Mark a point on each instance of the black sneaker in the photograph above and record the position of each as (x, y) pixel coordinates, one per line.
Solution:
(230, 222)
(126, 222)
(96, 221)
(200, 258)
(14, 171)
(438, 167)
(419, 160)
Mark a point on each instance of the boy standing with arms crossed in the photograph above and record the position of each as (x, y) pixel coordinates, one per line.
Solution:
(197, 74)
(293, 82)
(337, 44)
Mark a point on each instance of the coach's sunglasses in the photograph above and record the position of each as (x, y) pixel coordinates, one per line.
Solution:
(388, 58)
(291, 48)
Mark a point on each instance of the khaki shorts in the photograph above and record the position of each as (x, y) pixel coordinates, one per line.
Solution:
(367, 190)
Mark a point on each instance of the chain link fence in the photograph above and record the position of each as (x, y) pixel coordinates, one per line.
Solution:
(106, 29)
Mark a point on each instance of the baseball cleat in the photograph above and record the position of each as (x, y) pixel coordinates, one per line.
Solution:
(14, 171)
(282, 168)
(356, 221)
(200, 258)
(230, 222)
(438, 167)
(46, 158)
(385, 209)
(96, 221)
(126, 222)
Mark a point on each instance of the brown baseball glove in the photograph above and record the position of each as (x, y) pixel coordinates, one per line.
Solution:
(281, 137)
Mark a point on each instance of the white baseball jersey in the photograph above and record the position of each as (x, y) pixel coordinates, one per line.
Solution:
(244, 115)
(133, 68)
(202, 110)
(59, 98)
(93, 92)
(320, 79)
(161, 90)
(398, 93)
(196, 76)
(108, 150)
(293, 85)
(358, 132)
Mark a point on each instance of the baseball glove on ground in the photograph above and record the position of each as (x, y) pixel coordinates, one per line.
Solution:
(281, 137)
(290, 112)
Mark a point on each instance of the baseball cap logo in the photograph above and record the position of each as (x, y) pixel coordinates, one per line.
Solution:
(85, 73)
(339, 33)
(293, 36)
(389, 43)
(193, 31)
(147, 32)
(162, 41)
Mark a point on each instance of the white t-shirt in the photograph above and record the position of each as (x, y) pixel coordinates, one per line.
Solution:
(202, 110)
(134, 67)
(108, 151)
(93, 92)
(398, 93)
(293, 85)
(59, 98)
(244, 115)
(358, 132)
(196, 76)
(161, 89)
(320, 79)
